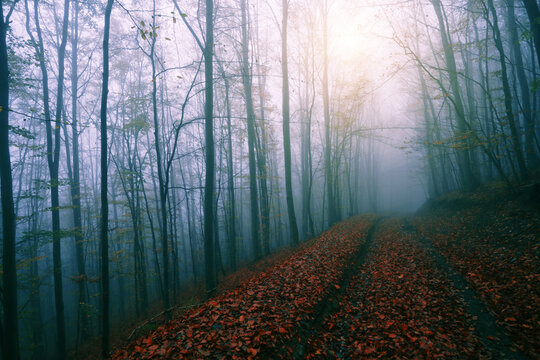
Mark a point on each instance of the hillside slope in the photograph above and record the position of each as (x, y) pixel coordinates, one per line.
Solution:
(459, 280)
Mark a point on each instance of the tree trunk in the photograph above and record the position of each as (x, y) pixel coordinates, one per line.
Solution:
(210, 278)
(55, 200)
(38, 351)
(532, 156)
(191, 232)
(262, 153)
(467, 176)
(307, 167)
(105, 300)
(286, 126)
(533, 12)
(230, 178)
(10, 348)
(82, 315)
(508, 95)
(53, 156)
(246, 81)
(329, 177)
(429, 139)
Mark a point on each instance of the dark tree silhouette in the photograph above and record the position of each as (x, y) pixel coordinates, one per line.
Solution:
(105, 291)
(210, 274)
(10, 340)
(286, 125)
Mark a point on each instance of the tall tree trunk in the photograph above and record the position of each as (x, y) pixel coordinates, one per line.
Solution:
(472, 108)
(286, 125)
(105, 300)
(429, 139)
(532, 156)
(151, 223)
(82, 316)
(307, 171)
(230, 177)
(162, 177)
(262, 153)
(276, 194)
(246, 81)
(210, 278)
(117, 248)
(37, 319)
(140, 250)
(53, 156)
(191, 232)
(329, 177)
(53, 160)
(10, 348)
(428, 132)
(533, 11)
(464, 161)
(174, 241)
(516, 142)
(262, 144)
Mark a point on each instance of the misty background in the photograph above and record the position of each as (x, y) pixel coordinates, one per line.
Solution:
(400, 126)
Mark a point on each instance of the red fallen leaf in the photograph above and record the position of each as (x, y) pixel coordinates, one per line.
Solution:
(512, 319)
(369, 350)
(194, 334)
(242, 318)
(337, 286)
(392, 335)
(147, 341)
(139, 349)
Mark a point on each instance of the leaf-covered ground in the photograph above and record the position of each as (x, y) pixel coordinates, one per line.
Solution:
(399, 306)
(369, 289)
(263, 312)
(497, 249)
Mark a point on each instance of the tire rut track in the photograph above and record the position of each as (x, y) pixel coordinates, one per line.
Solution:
(398, 306)
(493, 336)
(330, 304)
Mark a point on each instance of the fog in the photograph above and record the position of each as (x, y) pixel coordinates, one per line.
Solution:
(385, 109)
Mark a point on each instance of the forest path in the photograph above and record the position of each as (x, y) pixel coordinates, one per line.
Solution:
(255, 319)
(492, 336)
(296, 346)
(407, 302)
(366, 288)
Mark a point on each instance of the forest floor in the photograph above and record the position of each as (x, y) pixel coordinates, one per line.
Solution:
(458, 280)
